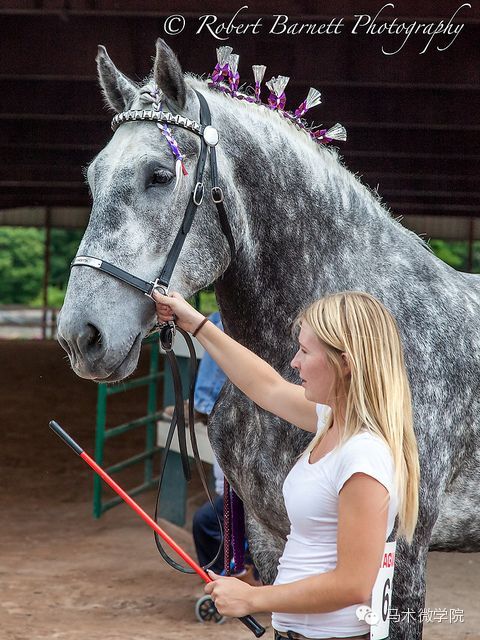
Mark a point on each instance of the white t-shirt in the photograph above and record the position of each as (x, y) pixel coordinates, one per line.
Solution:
(311, 493)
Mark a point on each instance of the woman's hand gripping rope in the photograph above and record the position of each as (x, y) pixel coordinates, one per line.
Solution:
(175, 307)
(231, 596)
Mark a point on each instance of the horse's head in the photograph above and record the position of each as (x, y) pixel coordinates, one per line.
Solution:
(135, 216)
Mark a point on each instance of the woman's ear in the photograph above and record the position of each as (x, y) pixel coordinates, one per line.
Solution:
(346, 363)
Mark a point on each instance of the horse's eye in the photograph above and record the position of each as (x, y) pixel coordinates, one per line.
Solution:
(161, 176)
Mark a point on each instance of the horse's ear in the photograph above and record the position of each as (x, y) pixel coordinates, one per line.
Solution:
(118, 90)
(168, 74)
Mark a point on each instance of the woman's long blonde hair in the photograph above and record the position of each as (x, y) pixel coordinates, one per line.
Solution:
(377, 390)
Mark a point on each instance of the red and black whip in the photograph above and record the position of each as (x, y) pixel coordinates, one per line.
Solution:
(248, 621)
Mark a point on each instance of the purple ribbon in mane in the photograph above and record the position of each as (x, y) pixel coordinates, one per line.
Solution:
(174, 147)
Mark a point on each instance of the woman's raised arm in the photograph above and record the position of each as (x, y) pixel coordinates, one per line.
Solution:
(252, 375)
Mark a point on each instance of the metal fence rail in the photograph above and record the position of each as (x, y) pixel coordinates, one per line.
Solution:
(22, 322)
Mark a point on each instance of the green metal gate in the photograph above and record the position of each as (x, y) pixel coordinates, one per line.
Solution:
(174, 489)
(147, 421)
(174, 485)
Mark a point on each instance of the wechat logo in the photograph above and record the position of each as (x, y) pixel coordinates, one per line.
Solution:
(365, 613)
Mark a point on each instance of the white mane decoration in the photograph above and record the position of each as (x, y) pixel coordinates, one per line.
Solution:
(225, 78)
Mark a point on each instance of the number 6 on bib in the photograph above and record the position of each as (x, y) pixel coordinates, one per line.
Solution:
(379, 617)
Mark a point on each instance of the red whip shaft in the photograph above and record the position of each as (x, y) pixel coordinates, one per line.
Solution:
(248, 621)
(150, 521)
(130, 501)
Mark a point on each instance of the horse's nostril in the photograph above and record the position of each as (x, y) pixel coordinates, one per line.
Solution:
(94, 336)
(90, 341)
(64, 344)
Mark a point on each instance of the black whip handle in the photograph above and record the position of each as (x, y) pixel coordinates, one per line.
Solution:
(253, 625)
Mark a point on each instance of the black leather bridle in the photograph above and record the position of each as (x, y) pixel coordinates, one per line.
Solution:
(209, 139)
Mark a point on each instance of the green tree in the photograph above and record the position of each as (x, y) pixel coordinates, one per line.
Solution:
(455, 253)
(21, 264)
(22, 252)
(63, 248)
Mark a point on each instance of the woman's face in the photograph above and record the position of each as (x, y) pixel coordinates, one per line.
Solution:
(317, 374)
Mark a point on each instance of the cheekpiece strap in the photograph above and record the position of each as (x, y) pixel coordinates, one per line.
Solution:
(209, 138)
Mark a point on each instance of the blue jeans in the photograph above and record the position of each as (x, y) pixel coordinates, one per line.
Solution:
(206, 534)
(210, 378)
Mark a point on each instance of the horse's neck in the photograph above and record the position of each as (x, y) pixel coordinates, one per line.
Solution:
(305, 226)
(308, 226)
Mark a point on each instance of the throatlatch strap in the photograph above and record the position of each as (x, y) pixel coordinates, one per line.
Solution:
(222, 214)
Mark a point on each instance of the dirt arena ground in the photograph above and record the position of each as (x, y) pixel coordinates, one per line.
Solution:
(65, 576)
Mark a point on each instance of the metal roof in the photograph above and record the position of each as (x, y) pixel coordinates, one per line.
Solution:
(412, 119)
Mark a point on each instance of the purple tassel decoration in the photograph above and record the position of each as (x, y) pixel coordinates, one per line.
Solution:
(180, 169)
(337, 132)
(238, 533)
(226, 78)
(227, 531)
(258, 74)
(172, 143)
(233, 75)
(312, 100)
(277, 98)
(221, 68)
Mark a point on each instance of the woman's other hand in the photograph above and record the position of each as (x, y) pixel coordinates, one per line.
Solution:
(175, 307)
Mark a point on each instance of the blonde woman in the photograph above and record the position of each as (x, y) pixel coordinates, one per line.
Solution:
(359, 472)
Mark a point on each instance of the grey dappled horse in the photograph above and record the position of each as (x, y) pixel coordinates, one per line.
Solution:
(304, 226)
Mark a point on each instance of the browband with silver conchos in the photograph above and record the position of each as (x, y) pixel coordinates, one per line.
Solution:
(156, 116)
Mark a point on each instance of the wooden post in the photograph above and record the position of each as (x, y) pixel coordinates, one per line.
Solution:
(46, 271)
(470, 245)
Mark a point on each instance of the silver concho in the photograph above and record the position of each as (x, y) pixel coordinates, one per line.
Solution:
(88, 261)
(210, 135)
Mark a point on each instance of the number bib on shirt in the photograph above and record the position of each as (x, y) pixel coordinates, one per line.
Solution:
(382, 596)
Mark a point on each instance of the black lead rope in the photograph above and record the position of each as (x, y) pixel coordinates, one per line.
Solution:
(167, 334)
(178, 421)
